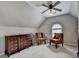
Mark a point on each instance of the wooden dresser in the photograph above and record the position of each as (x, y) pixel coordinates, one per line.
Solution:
(16, 43)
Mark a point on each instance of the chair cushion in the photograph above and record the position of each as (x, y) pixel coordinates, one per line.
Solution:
(55, 39)
(40, 38)
(39, 35)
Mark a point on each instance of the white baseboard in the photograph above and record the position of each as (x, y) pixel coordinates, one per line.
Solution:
(72, 44)
(2, 53)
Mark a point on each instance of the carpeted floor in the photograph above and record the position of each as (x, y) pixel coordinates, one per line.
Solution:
(47, 51)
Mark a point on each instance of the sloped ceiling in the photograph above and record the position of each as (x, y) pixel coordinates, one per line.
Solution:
(19, 14)
(27, 14)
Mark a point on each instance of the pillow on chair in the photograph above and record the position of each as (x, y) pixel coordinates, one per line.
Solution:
(39, 35)
(56, 35)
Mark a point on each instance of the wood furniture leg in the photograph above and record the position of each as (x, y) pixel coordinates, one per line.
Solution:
(56, 46)
(8, 55)
(62, 44)
(45, 42)
(38, 43)
(50, 42)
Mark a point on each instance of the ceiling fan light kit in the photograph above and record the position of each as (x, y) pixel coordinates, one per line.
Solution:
(51, 6)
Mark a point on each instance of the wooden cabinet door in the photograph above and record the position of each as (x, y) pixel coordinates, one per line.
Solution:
(22, 42)
(13, 44)
(29, 41)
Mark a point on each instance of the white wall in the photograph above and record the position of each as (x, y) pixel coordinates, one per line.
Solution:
(74, 9)
(78, 17)
(78, 24)
(69, 24)
(11, 31)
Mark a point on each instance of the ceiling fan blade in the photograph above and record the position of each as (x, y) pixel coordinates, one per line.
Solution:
(57, 9)
(56, 3)
(44, 5)
(44, 11)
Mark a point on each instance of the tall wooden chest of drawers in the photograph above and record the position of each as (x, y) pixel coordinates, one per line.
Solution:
(16, 43)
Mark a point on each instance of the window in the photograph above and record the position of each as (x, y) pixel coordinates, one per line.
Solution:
(56, 28)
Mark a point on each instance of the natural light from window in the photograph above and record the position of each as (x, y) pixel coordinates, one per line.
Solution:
(56, 28)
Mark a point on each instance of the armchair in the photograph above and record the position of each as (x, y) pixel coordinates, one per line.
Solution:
(57, 39)
(40, 38)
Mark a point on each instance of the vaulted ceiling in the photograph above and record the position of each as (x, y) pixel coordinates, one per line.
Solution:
(28, 14)
(64, 6)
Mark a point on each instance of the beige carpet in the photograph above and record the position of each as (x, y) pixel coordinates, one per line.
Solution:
(47, 51)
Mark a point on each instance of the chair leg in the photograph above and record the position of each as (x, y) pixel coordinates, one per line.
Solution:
(50, 42)
(38, 43)
(62, 44)
(56, 46)
(44, 42)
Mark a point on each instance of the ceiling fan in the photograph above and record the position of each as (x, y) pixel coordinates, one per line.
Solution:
(50, 5)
